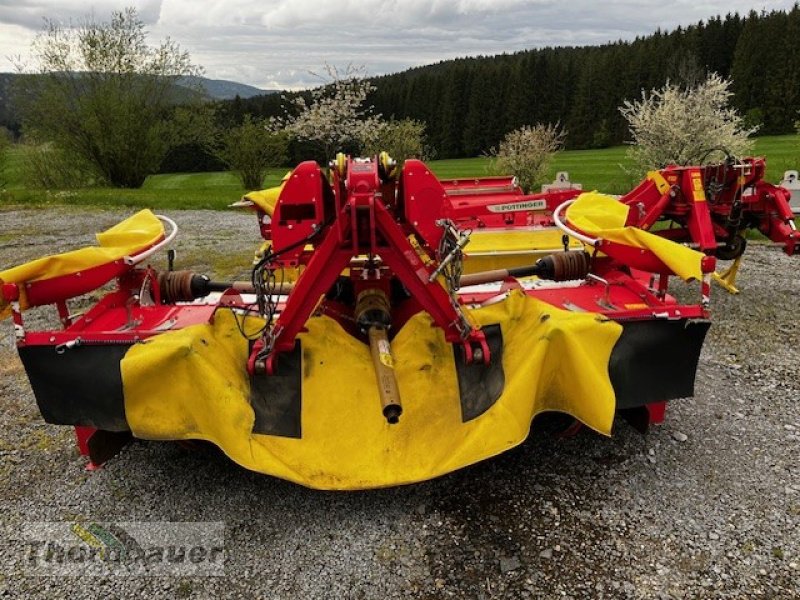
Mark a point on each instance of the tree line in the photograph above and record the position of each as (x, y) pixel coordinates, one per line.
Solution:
(107, 103)
(469, 104)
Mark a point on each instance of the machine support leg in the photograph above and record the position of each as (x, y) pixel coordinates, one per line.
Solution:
(82, 436)
(727, 279)
(98, 445)
(656, 412)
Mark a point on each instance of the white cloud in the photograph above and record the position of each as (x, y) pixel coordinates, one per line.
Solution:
(381, 13)
(275, 43)
(32, 13)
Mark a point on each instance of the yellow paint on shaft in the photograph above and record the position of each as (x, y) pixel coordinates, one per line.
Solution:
(383, 363)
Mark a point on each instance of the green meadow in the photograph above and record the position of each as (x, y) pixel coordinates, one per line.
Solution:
(603, 169)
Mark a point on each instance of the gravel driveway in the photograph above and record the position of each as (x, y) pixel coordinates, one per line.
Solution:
(707, 505)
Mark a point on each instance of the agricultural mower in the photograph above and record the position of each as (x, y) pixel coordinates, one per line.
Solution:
(395, 327)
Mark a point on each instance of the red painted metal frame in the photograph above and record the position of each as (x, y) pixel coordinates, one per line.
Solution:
(710, 221)
(473, 203)
(625, 297)
(495, 203)
(361, 224)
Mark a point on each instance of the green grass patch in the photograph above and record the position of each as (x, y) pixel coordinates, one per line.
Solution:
(215, 190)
(605, 169)
(228, 265)
(782, 153)
(602, 170)
(11, 168)
(595, 169)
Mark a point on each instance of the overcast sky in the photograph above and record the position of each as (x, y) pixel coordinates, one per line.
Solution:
(274, 43)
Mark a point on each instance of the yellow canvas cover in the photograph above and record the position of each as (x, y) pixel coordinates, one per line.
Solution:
(603, 216)
(268, 198)
(192, 384)
(129, 237)
(513, 247)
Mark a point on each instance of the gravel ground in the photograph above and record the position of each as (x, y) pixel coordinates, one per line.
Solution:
(706, 505)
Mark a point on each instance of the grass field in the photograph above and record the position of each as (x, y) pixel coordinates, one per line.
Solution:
(595, 169)
(605, 169)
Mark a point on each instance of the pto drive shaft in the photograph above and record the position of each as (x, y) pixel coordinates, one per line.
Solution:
(384, 372)
(373, 315)
(560, 266)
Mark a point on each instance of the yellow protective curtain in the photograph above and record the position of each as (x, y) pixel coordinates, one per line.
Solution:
(192, 384)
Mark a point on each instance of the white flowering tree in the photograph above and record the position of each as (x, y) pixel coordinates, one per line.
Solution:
(336, 115)
(526, 153)
(675, 125)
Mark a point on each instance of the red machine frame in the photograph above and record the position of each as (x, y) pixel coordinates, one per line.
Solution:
(348, 218)
(710, 207)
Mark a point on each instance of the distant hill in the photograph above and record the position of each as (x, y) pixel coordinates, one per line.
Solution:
(215, 89)
(222, 89)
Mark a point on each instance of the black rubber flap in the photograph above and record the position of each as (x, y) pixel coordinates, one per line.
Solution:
(479, 384)
(276, 399)
(81, 386)
(656, 360)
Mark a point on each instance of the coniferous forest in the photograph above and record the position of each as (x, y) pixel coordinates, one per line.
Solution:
(468, 104)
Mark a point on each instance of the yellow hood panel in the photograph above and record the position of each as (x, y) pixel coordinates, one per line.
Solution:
(268, 198)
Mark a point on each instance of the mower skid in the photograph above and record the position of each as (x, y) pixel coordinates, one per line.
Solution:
(81, 386)
(480, 384)
(277, 399)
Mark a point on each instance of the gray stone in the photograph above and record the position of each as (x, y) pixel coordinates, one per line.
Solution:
(509, 563)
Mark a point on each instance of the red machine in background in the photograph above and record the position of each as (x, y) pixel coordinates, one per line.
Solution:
(707, 208)
(712, 207)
